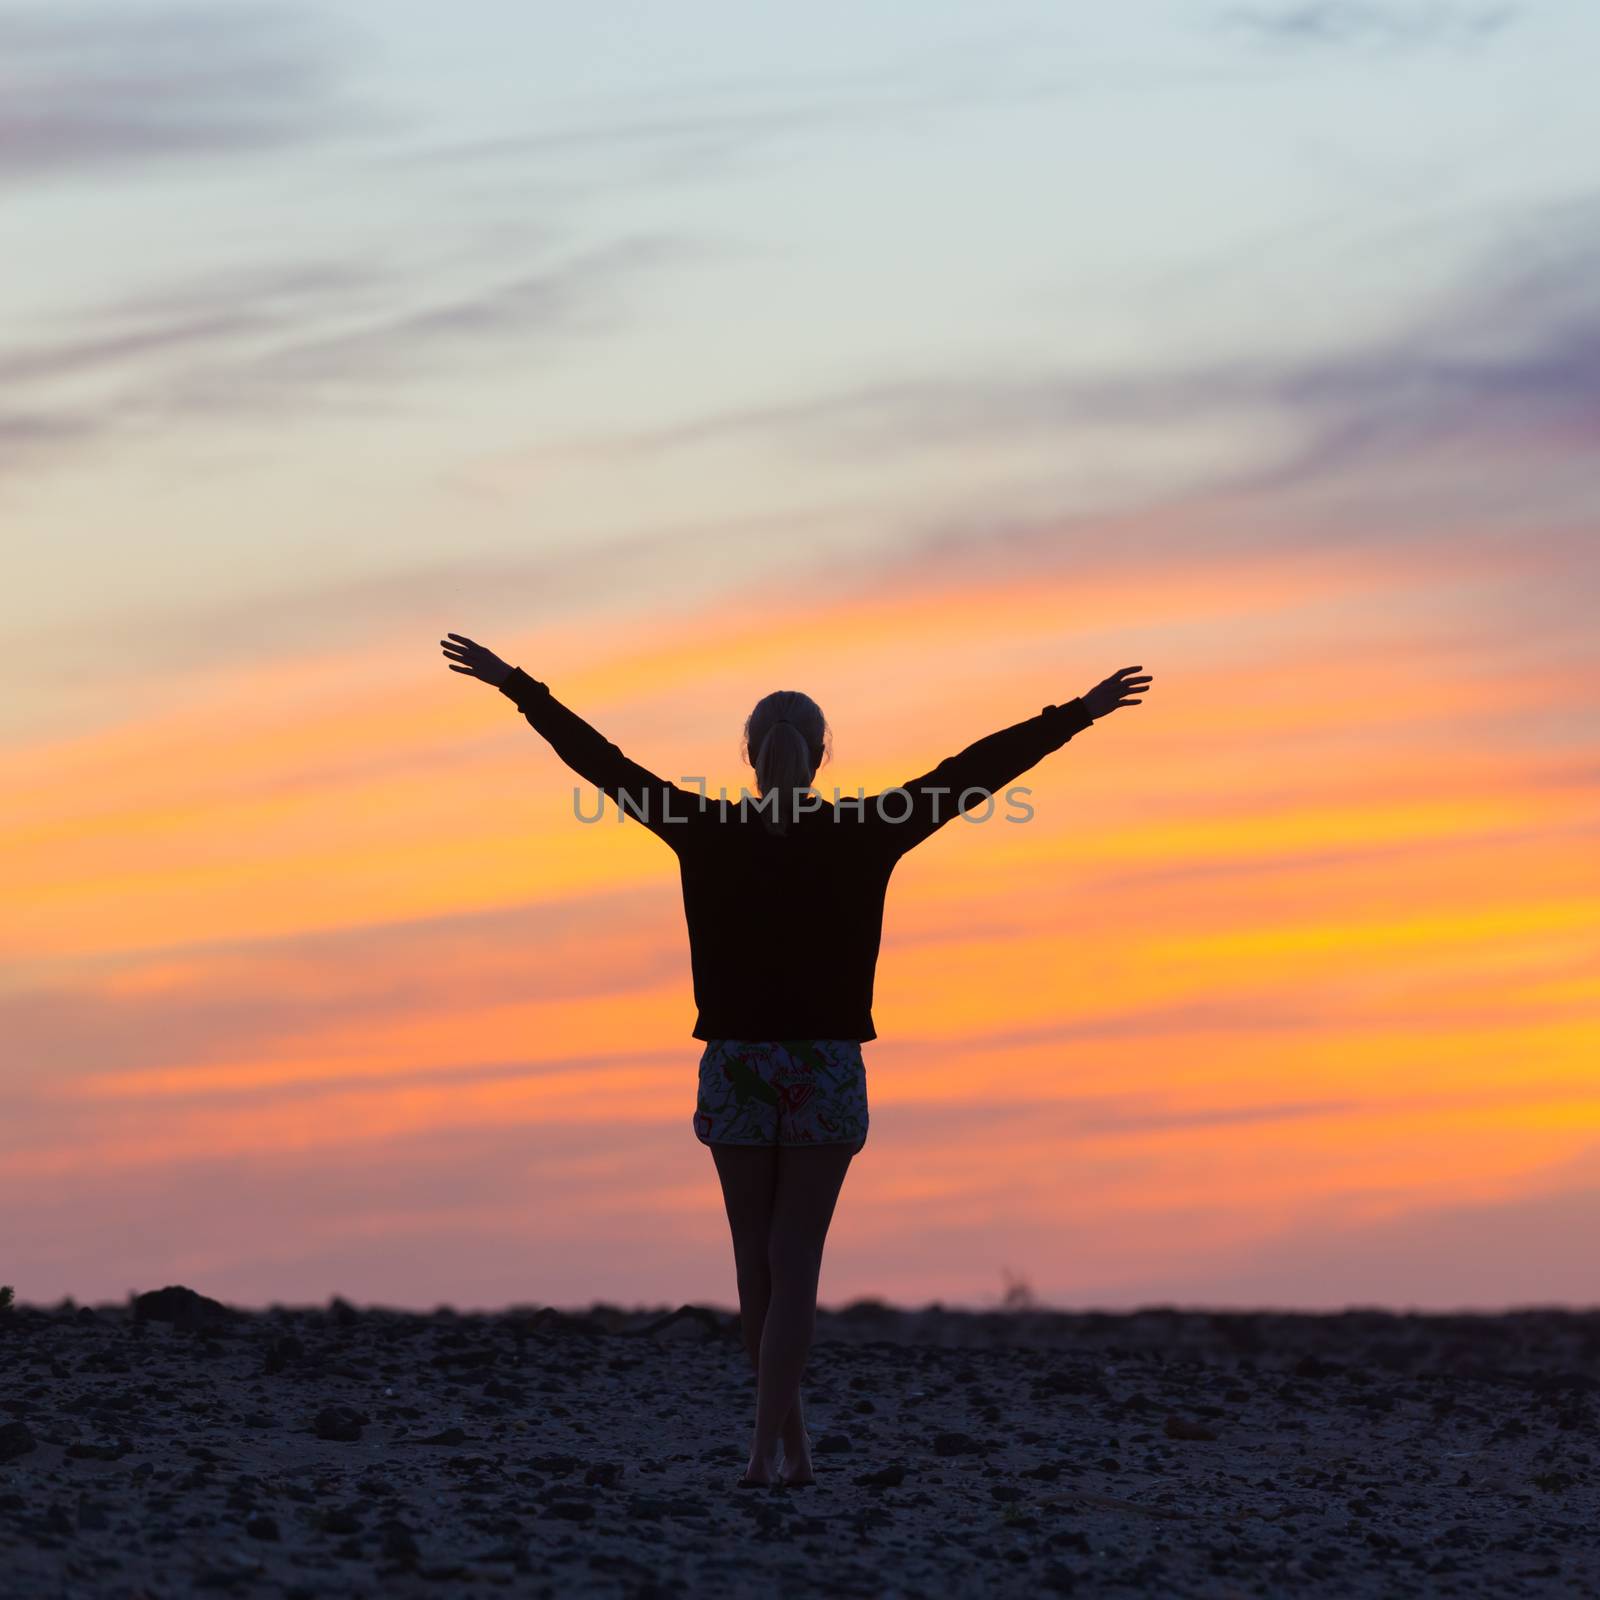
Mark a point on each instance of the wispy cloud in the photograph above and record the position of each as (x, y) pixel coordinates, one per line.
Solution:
(216, 312)
(103, 86)
(696, 128)
(1513, 1250)
(345, 363)
(334, 336)
(28, 437)
(206, 1003)
(1385, 23)
(1514, 353)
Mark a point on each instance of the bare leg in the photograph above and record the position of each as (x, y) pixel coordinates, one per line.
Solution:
(753, 1304)
(749, 1176)
(809, 1180)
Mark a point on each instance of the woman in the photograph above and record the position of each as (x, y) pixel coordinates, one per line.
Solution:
(783, 895)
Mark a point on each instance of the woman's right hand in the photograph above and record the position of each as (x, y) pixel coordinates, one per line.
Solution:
(477, 660)
(1109, 694)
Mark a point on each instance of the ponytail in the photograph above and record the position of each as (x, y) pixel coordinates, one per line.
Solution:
(785, 739)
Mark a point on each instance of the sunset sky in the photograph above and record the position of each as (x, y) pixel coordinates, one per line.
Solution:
(938, 360)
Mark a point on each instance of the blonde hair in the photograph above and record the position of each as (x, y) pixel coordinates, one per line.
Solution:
(786, 738)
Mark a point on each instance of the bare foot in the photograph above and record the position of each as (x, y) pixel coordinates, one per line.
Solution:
(797, 1470)
(762, 1472)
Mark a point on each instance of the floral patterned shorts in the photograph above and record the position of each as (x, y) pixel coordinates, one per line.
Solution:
(782, 1092)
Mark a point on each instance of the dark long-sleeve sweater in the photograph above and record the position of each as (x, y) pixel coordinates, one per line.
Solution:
(784, 928)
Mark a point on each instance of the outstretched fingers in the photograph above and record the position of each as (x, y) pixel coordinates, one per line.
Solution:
(465, 655)
(1131, 686)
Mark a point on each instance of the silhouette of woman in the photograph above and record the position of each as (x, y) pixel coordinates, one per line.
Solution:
(783, 895)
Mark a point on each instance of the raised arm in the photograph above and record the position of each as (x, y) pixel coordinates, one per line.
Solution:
(665, 809)
(919, 808)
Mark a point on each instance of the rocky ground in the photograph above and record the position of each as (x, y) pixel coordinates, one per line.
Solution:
(172, 1445)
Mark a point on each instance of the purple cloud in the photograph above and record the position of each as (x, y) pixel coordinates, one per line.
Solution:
(98, 87)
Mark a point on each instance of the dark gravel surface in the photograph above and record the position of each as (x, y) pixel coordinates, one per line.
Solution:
(171, 1445)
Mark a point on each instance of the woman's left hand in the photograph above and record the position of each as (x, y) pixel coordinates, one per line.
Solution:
(476, 660)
